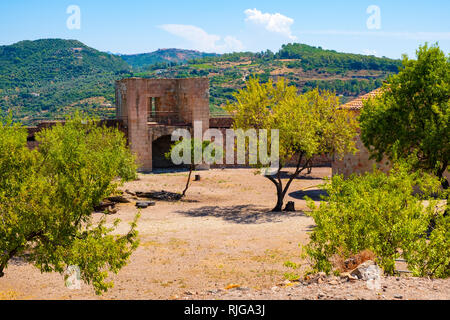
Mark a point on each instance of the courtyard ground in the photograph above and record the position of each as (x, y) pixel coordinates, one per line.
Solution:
(222, 242)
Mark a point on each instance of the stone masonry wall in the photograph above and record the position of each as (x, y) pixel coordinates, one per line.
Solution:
(180, 103)
(360, 162)
(222, 124)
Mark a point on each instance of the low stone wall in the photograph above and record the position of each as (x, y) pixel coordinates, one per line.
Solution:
(225, 122)
(32, 131)
(358, 162)
(318, 161)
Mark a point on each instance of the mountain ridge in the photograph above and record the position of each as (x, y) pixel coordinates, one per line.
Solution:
(166, 55)
(50, 78)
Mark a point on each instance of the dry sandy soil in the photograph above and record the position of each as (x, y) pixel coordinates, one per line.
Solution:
(222, 235)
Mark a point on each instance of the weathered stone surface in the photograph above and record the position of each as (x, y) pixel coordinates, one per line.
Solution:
(119, 199)
(145, 204)
(159, 195)
(104, 205)
(364, 270)
(145, 105)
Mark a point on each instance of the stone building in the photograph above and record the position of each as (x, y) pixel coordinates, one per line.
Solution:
(151, 109)
(360, 162)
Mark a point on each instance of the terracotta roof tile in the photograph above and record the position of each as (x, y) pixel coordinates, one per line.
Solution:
(358, 102)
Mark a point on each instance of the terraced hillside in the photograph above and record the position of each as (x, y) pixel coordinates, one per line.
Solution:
(50, 78)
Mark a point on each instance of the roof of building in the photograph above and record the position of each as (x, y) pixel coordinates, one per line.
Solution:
(357, 104)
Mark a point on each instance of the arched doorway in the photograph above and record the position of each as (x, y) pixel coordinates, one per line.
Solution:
(160, 147)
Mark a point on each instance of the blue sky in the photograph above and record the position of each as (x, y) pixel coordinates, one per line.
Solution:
(136, 26)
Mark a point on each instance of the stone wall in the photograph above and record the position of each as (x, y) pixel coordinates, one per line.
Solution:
(176, 102)
(360, 162)
(222, 124)
(32, 131)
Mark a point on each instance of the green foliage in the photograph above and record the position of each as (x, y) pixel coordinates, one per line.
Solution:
(386, 214)
(432, 256)
(309, 124)
(412, 115)
(193, 147)
(290, 264)
(228, 72)
(47, 197)
(352, 87)
(29, 63)
(291, 276)
(314, 58)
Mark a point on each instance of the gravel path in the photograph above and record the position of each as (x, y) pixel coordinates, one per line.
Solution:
(392, 288)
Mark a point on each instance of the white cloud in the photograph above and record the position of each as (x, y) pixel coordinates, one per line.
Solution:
(275, 22)
(370, 52)
(203, 41)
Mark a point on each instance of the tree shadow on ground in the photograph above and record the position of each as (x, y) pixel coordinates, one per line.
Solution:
(163, 171)
(313, 194)
(18, 261)
(287, 175)
(242, 214)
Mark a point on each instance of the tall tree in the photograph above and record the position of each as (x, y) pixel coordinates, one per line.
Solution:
(309, 124)
(47, 196)
(412, 114)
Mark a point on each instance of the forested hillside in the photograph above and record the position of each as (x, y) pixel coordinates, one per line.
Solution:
(50, 78)
(164, 57)
(350, 75)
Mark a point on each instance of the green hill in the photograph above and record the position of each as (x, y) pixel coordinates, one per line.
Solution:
(42, 78)
(50, 78)
(29, 63)
(163, 57)
(306, 67)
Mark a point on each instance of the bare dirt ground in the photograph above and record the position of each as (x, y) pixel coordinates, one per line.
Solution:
(222, 236)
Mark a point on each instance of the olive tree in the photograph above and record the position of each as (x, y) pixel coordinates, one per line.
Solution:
(309, 124)
(47, 196)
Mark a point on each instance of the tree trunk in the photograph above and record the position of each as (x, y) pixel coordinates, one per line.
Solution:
(440, 175)
(9, 255)
(280, 199)
(191, 167)
(281, 192)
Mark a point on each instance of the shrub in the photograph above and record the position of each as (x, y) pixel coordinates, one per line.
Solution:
(47, 198)
(388, 214)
